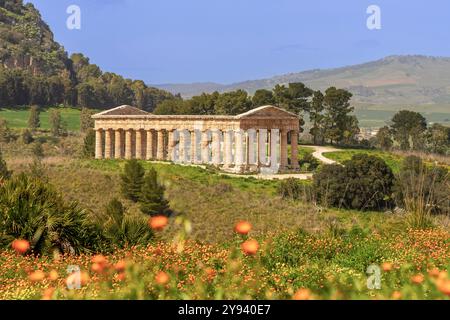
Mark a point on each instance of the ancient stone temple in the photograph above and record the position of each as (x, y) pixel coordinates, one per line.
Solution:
(255, 141)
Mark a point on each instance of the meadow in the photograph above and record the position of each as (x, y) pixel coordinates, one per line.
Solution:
(18, 118)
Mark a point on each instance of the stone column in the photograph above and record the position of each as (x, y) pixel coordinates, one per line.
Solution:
(98, 144)
(150, 147)
(160, 145)
(262, 148)
(108, 142)
(283, 150)
(239, 153)
(182, 146)
(193, 147)
(118, 144)
(294, 149)
(274, 137)
(128, 153)
(171, 146)
(251, 159)
(228, 148)
(205, 147)
(139, 144)
(216, 135)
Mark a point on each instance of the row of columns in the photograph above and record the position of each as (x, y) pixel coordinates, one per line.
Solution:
(232, 148)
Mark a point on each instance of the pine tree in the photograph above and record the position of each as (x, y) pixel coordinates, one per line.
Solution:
(115, 210)
(89, 144)
(33, 120)
(132, 180)
(152, 199)
(86, 121)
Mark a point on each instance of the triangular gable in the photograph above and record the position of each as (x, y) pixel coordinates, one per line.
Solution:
(124, 110)
(267, 111)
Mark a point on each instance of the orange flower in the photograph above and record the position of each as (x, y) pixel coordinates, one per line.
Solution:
(386, 266)
(121, 276)
(21, 246)
(120, 266)
(37, 276)
(243, 227)
(158, 223)
(98, 268)
(100, 259)
(396, 295)
(302, 294)
(162, 278)
(444, 287)
(48, 294)
(250, 247)
(417, 279)
(53, 275)
(434, 272)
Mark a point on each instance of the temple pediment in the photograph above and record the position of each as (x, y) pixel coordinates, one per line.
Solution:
(124, 110)
(267, 112)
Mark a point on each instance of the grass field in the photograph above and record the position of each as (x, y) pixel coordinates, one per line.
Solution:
(18, 119)
(392, 160)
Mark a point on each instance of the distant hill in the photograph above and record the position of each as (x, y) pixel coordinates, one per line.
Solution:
(390, 83)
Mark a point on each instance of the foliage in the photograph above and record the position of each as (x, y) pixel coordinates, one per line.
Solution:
(86, 121)
(294, 189)
(33, 120)
(363, 183)
(151, 200)
(30, 209)
(4, 172)
(27, 137)
(383, 139)
(408, 128)
(125, 230)
(38, 150)
(58, 127)
(6, 135)
(132, 180)
(422, 190)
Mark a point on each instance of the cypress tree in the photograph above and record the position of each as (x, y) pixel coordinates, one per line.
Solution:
(132, 180)
(152, 199)
(33, 120)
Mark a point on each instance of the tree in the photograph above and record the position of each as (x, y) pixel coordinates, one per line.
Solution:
(86, 121)
(4, 172)
(408, 128)
(152, 201)
(57, 124)
(363, 183)
(6, 135)
(262, 97)
(37, 150)
(317, 118)
(383, 139)
(438, 139)
(132, 180)
(89, 144)
(233, 103)
(33, 119)
(337, 119)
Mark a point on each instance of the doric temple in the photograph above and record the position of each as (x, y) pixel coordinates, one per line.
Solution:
(255, 141)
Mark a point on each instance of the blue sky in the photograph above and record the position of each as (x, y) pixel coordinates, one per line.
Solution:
(176, 41)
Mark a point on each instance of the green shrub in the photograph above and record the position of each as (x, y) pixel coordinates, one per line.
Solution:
(4, 172)
(363, 183)
(294, 189)
(152, 201)
(26, 136)
(31, 209)
(89, 144)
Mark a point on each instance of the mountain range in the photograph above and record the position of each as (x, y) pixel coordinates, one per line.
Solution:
(391, 83)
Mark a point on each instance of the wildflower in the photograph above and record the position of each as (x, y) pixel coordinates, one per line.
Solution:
(302, 294)
(120, 266)
(53, 275)
(250, 247)
(21, 246)
(444, 287)
(386, 266)
(158, 223)
(396, 295)
(417, 279)
(121, 276)
(48, 293)
(243, 227)
(434, 272)
(162, 278)
(37, 276)
(100, 259)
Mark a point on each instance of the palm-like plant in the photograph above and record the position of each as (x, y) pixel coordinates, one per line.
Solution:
(31, 209)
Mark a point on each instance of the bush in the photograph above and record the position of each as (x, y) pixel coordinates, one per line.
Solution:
(26, 136)
(363, 183)
(294, 189)
(37, 150)
(422, 190)
(309, 163)
(31, 209)
(132, 180)
(125, 230)
(89, 144)
(4, 172)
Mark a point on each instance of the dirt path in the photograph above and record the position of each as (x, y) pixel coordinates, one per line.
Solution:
(318, 153)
